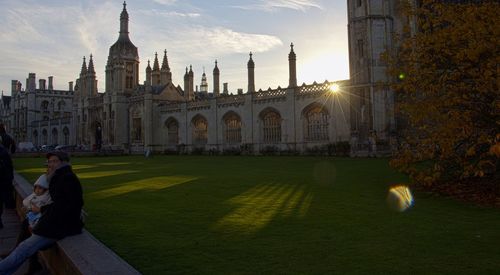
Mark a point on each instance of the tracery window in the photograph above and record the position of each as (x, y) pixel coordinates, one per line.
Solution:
(45, 105)
(271, 127)
(35, 137)
(66, 135)
(172, 132)
(61, 105)
(316, 124)
(200, 131)
(44, 137)
(55, 136)
(137, 129)
(232, 129)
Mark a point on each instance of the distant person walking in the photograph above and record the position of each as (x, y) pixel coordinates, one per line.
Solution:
(6, 140)
(6, 177)
(59, 219)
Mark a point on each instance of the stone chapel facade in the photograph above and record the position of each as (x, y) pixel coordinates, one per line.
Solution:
(159, 115)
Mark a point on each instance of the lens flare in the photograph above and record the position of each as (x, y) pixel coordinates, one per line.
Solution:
(400, 198)
(334, 88)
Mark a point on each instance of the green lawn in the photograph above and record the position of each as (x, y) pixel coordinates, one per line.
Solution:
(276, 215)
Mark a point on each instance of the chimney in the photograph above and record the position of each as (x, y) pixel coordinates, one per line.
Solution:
(70, 86)
(15, 86)
(31, 82)
(41, 85)
(240, 91)
(51, 87)
(225, 90)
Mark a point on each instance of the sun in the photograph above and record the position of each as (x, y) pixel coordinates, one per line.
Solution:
(334, 88)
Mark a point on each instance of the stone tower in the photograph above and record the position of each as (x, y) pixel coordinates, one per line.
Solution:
(123, 60)
(122, 78)
(370, 29)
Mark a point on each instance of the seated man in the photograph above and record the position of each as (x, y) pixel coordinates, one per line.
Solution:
(59, 219)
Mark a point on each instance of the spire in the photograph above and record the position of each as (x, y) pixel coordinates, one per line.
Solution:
(164, 65)
(91, 65)
(251, 75)
(292, 68)
(148, 68)
(292, 53)
(216, 69)
(84, 67)
(216, 80)
(191, 70)
(156, 66)
(124, 21)
(250, 61)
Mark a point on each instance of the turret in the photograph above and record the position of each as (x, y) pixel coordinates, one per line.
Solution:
(216, 80)
(191, 80)
(91, 78)
(166, 75)
(186, 83)
(204, 83)
(156, 71)
(251, 75)
(148, 75)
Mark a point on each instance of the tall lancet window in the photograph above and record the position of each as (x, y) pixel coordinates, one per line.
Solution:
(316, 124)
(232, 128)
(66, 135)
(172, 131)
(271, 127)
(44, 137)
(200, 130)
(55, 136)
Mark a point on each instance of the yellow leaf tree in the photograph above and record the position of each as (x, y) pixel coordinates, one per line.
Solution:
(447, 90)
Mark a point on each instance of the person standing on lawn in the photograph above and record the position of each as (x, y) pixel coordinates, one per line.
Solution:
(6, 177)
(59, 219)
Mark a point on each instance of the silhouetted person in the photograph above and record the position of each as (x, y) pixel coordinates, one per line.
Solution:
(6, 177)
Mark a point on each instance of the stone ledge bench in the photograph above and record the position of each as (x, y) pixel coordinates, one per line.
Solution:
(79, 254)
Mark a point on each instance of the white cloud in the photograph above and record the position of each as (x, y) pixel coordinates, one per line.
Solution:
(165, 2)
(156, 12)
(272, 5)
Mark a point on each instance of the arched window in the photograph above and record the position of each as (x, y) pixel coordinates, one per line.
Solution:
(232, 128)
(200, 130)
(35, 137)
(61, 105)
(55, 136)
(172, 131)
(66, 135)
(44, 137)
(316, 124)
(271, 127)
(45, 105)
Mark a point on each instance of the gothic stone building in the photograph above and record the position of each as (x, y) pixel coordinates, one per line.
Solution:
(43, 115)
(159, 115)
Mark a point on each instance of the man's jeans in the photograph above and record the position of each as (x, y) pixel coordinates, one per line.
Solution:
(22, 252)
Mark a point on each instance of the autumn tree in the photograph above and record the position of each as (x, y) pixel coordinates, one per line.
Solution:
(446, 70)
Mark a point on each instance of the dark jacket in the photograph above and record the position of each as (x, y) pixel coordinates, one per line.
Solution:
(61, 218)
(8, 142)
(6, 170)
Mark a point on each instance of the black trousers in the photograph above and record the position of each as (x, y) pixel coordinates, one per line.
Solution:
(7, 197)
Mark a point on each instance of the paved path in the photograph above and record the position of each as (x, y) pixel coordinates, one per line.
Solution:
(8, 237)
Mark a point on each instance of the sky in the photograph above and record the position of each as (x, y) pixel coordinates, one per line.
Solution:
(50, 38)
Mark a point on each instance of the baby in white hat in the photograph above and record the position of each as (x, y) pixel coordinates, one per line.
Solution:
(38, 198)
